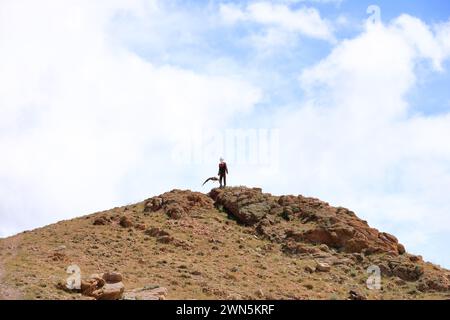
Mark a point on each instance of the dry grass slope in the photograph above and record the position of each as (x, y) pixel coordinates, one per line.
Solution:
(237, 243)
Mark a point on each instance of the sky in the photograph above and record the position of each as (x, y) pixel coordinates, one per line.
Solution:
(106, 103)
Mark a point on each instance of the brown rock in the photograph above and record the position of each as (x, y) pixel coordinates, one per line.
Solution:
(165, 239)
(432, 282)
(112, 277)
(92, 284)
(100, 221)
(356, 295)
(179, 203)
(323, 267)
(110, 291)
(248, 205)
(413, 258)
(346, 238)
(156, 232)
(323, 247)
(125, 222)
(308, 286)
(140, 226)
(153, 204)
(291, 247)
(337, 228)
(401, 248)
(405, 271)
(174, 211)
(58, 256)
(260, 293)
(310, 269)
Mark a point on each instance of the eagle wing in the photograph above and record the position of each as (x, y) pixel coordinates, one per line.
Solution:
(210, 179)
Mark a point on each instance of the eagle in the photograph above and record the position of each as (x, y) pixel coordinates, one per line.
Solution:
(210, 179)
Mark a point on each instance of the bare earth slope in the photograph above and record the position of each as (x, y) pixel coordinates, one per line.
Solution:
(233, 243)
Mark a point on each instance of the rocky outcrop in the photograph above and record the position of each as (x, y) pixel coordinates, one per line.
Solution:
(438, 283)
(179, 203)
(310, 220)
(247, 205)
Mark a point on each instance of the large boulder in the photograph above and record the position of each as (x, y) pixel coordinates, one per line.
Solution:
(112, 277)
(110, 291)
(93, 283)
(106, 286)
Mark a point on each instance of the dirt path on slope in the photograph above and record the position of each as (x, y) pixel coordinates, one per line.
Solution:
(8, 251)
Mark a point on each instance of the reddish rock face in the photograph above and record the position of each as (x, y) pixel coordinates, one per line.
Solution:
(311, 220)
(434, 283)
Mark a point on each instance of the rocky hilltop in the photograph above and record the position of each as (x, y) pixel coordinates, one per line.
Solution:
(232, 243)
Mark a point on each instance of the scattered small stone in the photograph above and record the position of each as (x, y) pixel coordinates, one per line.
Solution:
(58, 256)
(140, 226)
(355, 295)
(359, 257)
(230, 276)
(310, 269)
(260, 293)
(413, 258)
(400, 282)
(401, 248)
(308, 286)
(125, 222)
(165, 239)
(100, 221)
(323, 267)
(156, 232)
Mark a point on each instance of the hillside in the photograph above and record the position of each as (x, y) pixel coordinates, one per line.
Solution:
(233, 243)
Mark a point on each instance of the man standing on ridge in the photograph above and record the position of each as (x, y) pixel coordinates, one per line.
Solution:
(223, 171)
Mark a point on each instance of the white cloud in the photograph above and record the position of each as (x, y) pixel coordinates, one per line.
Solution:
(433, 45)
(335, 2)
(304, 21)
(354, 141)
